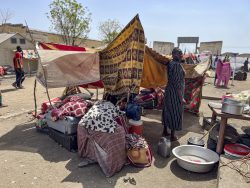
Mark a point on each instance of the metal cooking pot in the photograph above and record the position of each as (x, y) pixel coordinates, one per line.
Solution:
(196, 141)
(235, 108)
(231, 101)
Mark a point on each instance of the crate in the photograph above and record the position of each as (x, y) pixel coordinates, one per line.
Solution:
(67, 141)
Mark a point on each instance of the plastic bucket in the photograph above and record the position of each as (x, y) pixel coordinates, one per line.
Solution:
(135, 127)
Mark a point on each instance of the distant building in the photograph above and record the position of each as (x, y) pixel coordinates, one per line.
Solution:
(8, 44)
(214, 46)
(246, 55)
(43, 36)
(230, 54)
(164, 48)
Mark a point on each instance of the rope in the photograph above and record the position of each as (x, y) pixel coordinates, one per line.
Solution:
(239, 167)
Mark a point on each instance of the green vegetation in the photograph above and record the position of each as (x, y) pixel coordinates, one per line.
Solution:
(109, 29)
(70, 19)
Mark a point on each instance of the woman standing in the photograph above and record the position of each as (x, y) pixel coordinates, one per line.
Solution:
(225, 74)
(172, 114)
(218, 71)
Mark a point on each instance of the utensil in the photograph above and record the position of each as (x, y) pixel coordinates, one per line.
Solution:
(195, 158)
(198, 141)
(208, 131)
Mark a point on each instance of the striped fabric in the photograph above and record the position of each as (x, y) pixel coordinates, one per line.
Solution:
(108, 149)
(173, 105)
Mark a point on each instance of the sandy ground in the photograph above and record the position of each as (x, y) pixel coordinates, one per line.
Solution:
(32, 159)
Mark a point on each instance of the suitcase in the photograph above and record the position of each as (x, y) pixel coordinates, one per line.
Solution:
(67, 141)
(67, 126)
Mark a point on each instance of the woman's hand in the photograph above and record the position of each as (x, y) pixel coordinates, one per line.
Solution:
(184, 101)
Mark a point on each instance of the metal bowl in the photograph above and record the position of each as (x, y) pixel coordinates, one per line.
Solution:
(195, 158)
(196, 141)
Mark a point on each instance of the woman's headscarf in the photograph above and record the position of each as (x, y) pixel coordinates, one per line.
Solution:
(177, 54)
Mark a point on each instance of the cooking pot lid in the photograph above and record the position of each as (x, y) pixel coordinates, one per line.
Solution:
(233, 104)
(238, 149)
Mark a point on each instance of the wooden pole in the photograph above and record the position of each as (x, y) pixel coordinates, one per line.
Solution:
(29, 68)
(39, 60)
(97, 93)
(35, 98)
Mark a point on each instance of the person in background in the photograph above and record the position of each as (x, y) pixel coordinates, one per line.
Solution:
(215, 61)
(217, 70)
(1, 98)
(173, 107)
(18, 66)
(199, 58)
(225, 73)
(1, 104)
(246, 65)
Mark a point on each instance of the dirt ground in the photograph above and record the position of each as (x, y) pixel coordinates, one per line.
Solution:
(31, 159)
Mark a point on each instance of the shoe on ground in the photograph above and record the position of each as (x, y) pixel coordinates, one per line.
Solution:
(14, 85)
(85, 162)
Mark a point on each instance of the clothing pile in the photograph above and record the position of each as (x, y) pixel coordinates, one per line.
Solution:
(101, 117)
(45, 107)
(150, 98)
(102, 141)
(72, 106)
(147, 98)
(97, 131)
(60, 120)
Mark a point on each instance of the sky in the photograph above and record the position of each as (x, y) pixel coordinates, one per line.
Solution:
(162, 20)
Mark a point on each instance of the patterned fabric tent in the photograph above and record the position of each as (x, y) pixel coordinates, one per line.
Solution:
(194, 80)
(154, 69)
(121, 62)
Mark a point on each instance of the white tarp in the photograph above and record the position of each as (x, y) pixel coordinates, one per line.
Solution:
(67, 68)
(196, 70)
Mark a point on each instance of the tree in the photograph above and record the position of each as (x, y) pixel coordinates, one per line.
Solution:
(5, 15)
(109, 29)
(70, 19)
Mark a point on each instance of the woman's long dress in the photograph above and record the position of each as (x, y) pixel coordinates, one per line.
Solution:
(172, 114)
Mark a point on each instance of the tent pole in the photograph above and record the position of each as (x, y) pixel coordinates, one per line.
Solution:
(78, 89)
(232, 83)
(35, 98)
(97, 93)
(39, 60)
